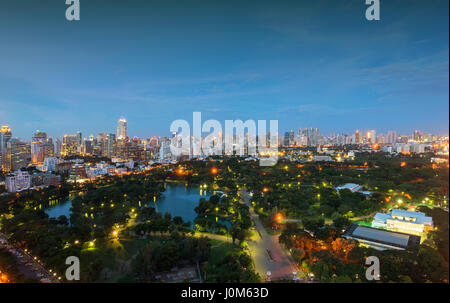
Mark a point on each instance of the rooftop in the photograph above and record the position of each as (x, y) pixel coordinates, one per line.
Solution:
(381, 236)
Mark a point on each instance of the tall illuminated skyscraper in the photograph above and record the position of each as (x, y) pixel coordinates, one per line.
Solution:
(37, 147)
(17, 154)
(372, 136)
(5, 136)
(357, 137)
(69, 145)
(122, 129)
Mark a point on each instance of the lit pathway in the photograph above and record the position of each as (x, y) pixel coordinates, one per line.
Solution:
(34, 268)
(261, 244)
(222, 238)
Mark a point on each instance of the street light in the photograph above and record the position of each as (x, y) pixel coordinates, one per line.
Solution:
(279, 217)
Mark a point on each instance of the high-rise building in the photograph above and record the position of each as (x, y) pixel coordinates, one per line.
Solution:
(58, 147)
(358, 138)
(101, 142)
(122, 129)
(79, 141)
(391, 137)
(417, 136)
(86, 147)
(37, 147)
(5, 136)
(69, 145)
(164, 151)
(49, 148)
(291, 138)
(286, 139)
(37, 152)
(372, 136)
(110, 146)
(17, 155)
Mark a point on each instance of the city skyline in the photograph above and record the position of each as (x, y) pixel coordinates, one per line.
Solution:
(317, 64)
(122, 123)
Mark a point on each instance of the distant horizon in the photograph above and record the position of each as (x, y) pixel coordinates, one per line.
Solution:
(280, 132)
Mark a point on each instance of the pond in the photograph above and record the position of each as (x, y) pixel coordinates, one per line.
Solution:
(60, 209)
(178, 200)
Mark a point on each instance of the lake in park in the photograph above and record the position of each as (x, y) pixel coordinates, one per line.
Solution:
(178, 200)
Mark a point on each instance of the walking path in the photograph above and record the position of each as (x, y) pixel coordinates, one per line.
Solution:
(266, 251)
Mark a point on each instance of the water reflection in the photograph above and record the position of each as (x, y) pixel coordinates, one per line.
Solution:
(177, 199)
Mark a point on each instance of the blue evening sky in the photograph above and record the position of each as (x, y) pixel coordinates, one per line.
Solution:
(306, 63)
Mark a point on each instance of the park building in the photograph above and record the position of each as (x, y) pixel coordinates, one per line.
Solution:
(380, 239)
(354, 188)
(409, 222)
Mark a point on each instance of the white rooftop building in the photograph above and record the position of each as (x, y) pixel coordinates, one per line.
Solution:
(354, 188)
(350, 186)
(409, 222)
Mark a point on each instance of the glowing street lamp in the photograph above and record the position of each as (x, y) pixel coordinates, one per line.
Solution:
(279, 217)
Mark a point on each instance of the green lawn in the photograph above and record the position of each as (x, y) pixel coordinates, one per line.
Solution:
(219, 251)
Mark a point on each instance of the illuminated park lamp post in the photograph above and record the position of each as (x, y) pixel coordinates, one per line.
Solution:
(279, 217)
(115, 234)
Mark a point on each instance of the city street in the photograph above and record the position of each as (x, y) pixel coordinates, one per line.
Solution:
(266, 252)
(27, 265)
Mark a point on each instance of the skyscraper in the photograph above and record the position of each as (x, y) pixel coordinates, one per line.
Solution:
(37, 147)
(69, 145)
(17, 155)
(79, 141)
(357, 137)
(122, 129)
(110, 146)
(5, 136)
(286, 139)
(372, 136)
(58, 147)
(391, 137)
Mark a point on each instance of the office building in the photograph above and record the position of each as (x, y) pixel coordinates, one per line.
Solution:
(122, 129)
(18, 181)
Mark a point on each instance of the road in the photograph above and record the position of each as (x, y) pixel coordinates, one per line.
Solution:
(266, 252)
(27, 265)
